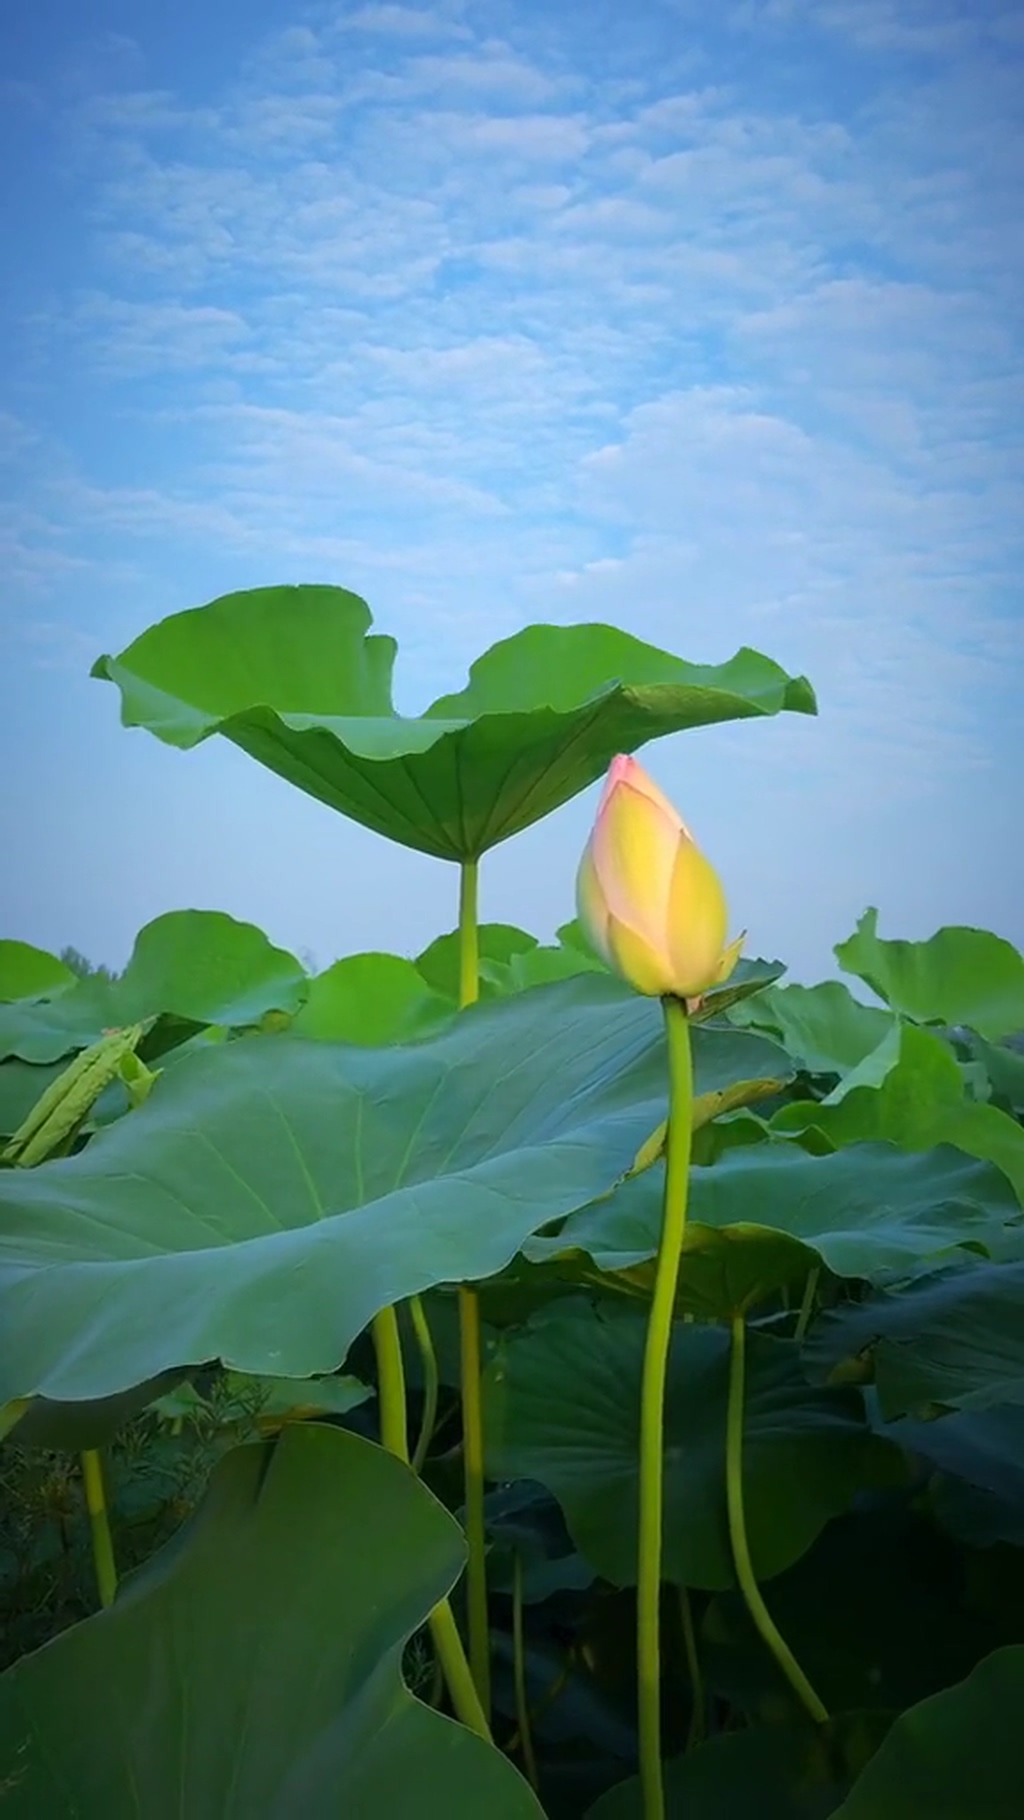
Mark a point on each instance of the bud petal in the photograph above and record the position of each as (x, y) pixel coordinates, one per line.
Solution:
(651, 904)
(591, 907)
(634, 848)
(632, 958)
(729, 958)
(696, 923)
(624, 770)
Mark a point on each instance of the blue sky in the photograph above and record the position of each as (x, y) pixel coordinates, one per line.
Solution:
(702, 321)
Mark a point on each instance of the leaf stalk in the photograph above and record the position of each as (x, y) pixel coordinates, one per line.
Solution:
(99, 1524)
(756, 1606)
(394, 1436)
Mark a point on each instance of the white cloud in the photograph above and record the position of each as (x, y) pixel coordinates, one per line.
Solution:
(400, 22)
(130, 337)
(490, 76)
(723, 348)
(930, 27)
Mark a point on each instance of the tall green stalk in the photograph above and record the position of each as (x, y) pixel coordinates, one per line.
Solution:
(803, 1319)
(519, 1675)
(470, 1372)
(469, 935)
(652, 1405)
(99, 1523)
(431, 1381)
(387, 1345)
(394, 1436)
(698, 1709)
(738, 1531)
(470, 1355)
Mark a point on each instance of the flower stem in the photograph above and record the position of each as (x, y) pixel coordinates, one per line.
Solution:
(738, 1532)
(652, 1406)
(394, 1436)
(519, 1673)
(470, 1369)
(390, 1383)
(803, 1319)
(452, 1657)
(470, 1358)
(425, 1342)
(99, 1523)
(697, 1695)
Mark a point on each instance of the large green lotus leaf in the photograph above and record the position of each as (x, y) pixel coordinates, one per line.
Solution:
(563, 1407)
(74, 1426)
(920, 1103)
(870, 1211)
(956, 1756)
(371, 999)
(958, 976)
(798, 1772)
(1005, 1070)
(610, 1247)
(980, 1455)
(22, 1084)
(874, 1613)
(275, 1401)
(292, 676)
(956, 1339)
(27, 972)
(198, 966)
(45, 1029)
(252, 1669)
(496, 945)
(203, 966)
(724, 1273)
(272, 1195)
(538, 965)
(872, 1070)
(824, 1028)
(731, 1069)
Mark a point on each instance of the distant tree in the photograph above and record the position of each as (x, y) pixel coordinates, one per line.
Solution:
(83, 967)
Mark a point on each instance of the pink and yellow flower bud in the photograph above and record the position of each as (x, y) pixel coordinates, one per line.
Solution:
(650, 903)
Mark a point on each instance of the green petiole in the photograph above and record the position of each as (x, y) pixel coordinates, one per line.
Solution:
(738, 1532)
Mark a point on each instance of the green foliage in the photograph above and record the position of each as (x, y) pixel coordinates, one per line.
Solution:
(372, 999)
(197, 966)
(956, 1756)
(166, 1436)
(958, 976)
(273, 1195)
(798, 1774)
(919, 1102)
(868, 1212)
(824, 1028)
(195, 1281)
(321, 1550)
(955, 1339)
(27, 972)
(563, 1408)
(294, 676)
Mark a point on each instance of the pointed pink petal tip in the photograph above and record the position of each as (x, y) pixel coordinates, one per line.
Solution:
(621, 768)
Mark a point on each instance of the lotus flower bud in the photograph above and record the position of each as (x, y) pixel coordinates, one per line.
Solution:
(650, 903)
